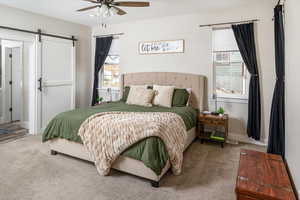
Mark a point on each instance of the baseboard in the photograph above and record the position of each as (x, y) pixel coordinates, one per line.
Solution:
(292, 180)
(24, 124)
(245, 139)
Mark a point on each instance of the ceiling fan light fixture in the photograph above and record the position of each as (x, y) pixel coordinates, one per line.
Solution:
(103, 9)
(113, 11)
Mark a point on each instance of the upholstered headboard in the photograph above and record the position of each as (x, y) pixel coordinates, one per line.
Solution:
(179, 80)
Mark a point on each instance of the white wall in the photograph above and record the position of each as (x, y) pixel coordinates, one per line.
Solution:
(1, 115)
(197, 56)
(292, 88)
(26, 20)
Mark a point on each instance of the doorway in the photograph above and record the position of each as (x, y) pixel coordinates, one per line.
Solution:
(13, 80)
(12, 90)
(48, 72)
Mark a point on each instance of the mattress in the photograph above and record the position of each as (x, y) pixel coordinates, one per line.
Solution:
(151, 151)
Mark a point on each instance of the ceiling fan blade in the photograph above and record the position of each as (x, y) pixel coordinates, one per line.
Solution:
(91, 1)
(120, 11)
(88, 8)
(132, 4)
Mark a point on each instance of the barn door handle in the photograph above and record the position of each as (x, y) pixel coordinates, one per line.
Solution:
(40, 84)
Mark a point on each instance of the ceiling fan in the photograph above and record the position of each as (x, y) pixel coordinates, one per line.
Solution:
(110, 7)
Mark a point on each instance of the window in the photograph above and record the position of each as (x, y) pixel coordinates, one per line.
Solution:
(230, 73)
(109, 75)
(111, 72)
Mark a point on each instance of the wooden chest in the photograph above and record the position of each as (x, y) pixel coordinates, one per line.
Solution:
(262, 176)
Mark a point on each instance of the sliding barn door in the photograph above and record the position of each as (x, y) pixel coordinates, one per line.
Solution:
(57, 81)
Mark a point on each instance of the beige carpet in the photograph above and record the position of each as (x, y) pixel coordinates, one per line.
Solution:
(28, 171)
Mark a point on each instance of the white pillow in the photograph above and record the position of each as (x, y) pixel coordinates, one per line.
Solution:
(163, 95)
(140, 96)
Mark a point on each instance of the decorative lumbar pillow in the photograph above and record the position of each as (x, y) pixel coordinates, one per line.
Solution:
(180, 97)
(163, 95)
(140, 96)
(127, 89)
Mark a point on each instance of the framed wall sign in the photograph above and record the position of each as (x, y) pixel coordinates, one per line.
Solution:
(161, 47)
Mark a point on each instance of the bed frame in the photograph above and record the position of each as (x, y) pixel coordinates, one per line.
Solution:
(129, 165)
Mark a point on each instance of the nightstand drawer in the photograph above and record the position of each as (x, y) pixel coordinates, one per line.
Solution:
(212, 121)
(216, 122)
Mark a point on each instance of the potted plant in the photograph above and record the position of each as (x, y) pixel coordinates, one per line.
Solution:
(100, 100)
(221, 111)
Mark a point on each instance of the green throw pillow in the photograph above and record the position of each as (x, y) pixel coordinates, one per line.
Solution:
(125, 93)
(180, 98)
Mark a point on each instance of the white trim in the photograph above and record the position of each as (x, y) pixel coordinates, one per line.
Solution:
(56, 83)
(37, 97)
(233, 100)
(245, 139)
(73, 104)
(3, 82)
(229, 100)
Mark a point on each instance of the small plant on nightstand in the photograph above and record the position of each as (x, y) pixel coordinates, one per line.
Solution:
(100, 100)
(221, 111)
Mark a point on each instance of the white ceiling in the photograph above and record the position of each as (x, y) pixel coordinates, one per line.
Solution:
(66, 9)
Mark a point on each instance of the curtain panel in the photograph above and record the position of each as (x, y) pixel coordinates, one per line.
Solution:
(244, 35)
(102, 49)
(276, 143)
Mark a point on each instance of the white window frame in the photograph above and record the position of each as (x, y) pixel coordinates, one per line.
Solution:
(246, 78)
(101, 87)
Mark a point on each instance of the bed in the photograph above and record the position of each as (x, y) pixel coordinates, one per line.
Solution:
(147, 158)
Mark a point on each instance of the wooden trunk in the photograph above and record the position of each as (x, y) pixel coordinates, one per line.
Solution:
(262, 176)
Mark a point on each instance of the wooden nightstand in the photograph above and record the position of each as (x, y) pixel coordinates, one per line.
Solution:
(212, 121)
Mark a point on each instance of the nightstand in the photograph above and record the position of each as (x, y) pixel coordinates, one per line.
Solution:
(216, 122)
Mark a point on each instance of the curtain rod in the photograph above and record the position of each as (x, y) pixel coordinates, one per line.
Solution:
(107, 35)
(227, 23)
(39, 32)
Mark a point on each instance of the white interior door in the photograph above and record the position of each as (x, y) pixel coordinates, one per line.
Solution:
(16, 87)
(58, 78)
(12, 84)
(8, 89)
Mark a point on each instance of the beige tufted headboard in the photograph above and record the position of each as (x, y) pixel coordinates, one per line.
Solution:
(179, 80)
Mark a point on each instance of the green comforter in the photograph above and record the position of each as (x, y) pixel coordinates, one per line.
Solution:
(151, 151)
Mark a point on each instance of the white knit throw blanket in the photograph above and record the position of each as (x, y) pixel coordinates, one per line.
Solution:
(107, 135)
